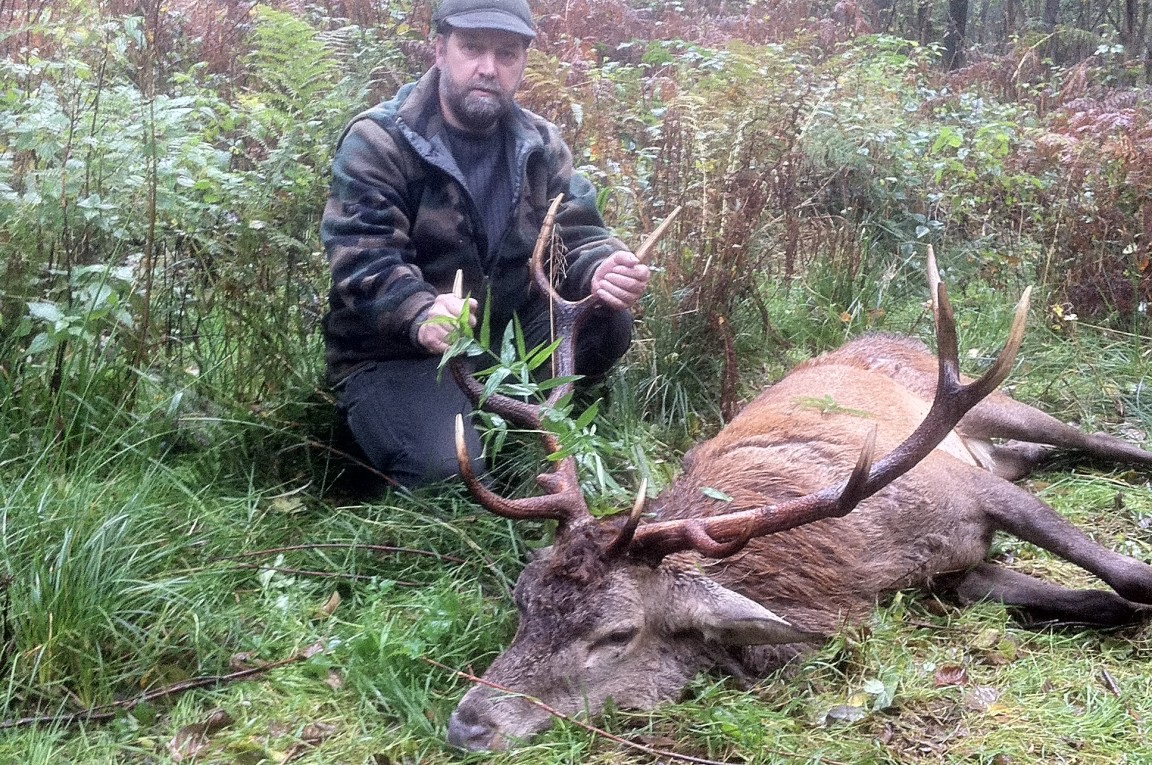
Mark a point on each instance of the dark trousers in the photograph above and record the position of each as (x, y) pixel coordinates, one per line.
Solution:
(403, 414)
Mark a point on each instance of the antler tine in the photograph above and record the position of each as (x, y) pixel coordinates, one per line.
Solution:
(644, 251)
(620, 545)
(726, 534)
(953, 398)
(563, 502)
(518, 412)
(536, 263)
(569, 315)
(933, 282)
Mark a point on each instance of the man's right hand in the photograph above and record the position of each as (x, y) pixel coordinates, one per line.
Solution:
(433, 334)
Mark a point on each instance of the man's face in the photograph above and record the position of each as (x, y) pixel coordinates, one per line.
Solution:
(480, 70)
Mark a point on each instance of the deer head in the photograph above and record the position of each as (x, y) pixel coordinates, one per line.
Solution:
(619, 609)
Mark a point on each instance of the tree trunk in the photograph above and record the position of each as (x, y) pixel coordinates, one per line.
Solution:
(980, 24)
(1128, 28)
(954, 39)
(924, 22)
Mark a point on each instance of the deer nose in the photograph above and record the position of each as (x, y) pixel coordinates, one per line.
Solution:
(467, 731)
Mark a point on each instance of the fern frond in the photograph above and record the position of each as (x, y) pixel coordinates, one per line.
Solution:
(290, 62)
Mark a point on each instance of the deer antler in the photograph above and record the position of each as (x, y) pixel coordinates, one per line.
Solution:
(564, 501)
(644, 251)
(723, 535)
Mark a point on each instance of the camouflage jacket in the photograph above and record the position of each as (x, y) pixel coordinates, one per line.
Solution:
(399, 223)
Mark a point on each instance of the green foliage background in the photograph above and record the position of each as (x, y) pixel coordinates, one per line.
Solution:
(176, 499)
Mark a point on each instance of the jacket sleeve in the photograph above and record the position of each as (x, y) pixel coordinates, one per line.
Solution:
(586, 238)
(377, 291)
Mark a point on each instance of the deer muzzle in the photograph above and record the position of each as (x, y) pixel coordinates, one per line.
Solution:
(468, 731)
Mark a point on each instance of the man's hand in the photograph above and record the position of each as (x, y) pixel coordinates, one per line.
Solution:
(620, 280)
(433, 333)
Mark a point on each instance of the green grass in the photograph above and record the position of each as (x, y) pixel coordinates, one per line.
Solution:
(191, 544)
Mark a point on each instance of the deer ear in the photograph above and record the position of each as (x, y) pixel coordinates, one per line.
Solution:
(729, 618)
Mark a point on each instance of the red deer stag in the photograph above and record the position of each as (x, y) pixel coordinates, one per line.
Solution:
(631, 612)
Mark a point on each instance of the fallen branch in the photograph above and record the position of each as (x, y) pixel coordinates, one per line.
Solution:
(566, 718)
(105, 712)
(593, 729)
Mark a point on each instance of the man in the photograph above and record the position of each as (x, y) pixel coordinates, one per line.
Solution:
(449, 175)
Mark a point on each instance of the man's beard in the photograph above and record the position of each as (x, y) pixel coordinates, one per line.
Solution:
(475, 112)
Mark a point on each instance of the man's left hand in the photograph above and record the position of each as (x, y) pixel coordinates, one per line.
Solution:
(620, 280)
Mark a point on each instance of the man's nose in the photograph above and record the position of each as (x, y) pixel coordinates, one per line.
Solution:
(486, 62)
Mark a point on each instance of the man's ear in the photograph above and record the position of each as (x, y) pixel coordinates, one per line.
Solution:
(723, 616)
(438, 43)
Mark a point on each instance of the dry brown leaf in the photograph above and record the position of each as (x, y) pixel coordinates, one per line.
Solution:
(191, 739)
(981, 698)
(312, 735)
(657, 741)
(950, 674)
(329, 606)
(238, 662)
(316, 732)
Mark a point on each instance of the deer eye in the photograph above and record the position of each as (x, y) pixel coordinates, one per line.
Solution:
(615, 639)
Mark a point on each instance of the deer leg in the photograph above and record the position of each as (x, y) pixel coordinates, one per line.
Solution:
(1014, 510)
(1011, 460)
(1000, 417)
(1044, 601)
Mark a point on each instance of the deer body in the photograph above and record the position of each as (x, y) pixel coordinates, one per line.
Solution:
(928, 528)
(633, 612)
(802, 434)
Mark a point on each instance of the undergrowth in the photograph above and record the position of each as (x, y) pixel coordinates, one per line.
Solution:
(133, 567)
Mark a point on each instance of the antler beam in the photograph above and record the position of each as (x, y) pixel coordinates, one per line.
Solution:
(563, 501)
(723, 535)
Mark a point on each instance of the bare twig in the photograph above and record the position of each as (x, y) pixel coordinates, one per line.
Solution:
(322, 574)
(105, 712)
(344, 546)
(351, 458)
(590, 728)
